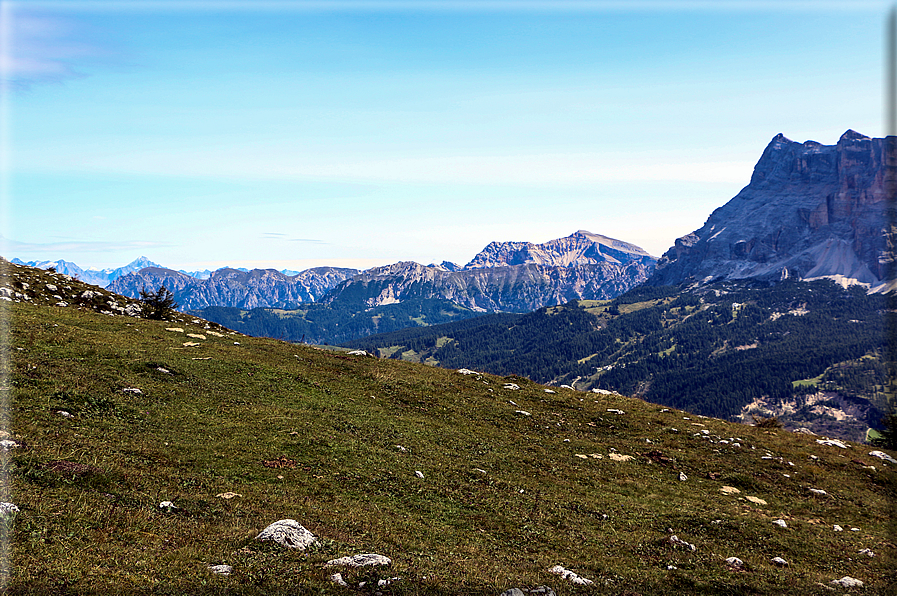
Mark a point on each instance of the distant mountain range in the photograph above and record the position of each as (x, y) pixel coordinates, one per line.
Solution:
(104, 277)
(505, 276)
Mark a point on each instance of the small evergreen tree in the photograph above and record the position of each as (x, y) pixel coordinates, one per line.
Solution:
(157, 305)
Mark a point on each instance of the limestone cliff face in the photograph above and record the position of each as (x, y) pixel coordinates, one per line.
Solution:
(810, 211)
(231, 287)
(509, 276)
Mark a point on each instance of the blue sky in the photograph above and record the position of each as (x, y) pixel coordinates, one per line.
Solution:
(300, 134)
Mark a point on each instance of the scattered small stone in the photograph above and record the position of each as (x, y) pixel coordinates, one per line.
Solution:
(236, 343)
(756, 500)
(570, 576)
(132, 390)
(552, 391)
(676, 540)
(682, 477)
(190, 344)
(779, 561)
(735, 562)
(221, 569)
(362, 560)
(228, 495)
(7, 510)
(167, 506)
(615, 411)
(418, 473)
(837, 528)
(665, 410)
(402, 449)
(512, 402)
(847, 582)
(854, 529)
(671, 568)
(868, 552)
(818, 491)
(337, 578)
(164, 371)
(883, 456)
(781, 523)
(65, 414)
(512, 386)
(522, 412)
(566, 440)
(480, 470)
(288, 533)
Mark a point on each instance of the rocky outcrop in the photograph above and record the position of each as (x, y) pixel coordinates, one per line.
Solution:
(809, 211)
(232, 287)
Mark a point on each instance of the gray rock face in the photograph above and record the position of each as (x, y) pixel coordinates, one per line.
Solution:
(232, 287)
(810, 211)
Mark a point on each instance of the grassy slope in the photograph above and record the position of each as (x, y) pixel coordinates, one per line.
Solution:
(207, 427)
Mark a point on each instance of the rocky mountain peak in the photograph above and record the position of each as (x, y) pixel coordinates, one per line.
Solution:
(809, 211)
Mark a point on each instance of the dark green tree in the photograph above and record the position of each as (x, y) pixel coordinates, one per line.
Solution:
(157, 305)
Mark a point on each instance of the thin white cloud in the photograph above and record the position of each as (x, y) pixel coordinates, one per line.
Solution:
(69, 246)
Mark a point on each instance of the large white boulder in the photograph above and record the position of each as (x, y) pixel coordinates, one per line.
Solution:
(288, 533)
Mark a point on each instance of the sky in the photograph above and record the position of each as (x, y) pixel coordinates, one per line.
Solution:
(292, 134)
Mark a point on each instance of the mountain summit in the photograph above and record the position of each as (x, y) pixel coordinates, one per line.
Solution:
(580, 248)
(810, 211)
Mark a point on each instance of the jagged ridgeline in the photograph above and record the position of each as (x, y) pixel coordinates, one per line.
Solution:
(153, 457)
(713, 351)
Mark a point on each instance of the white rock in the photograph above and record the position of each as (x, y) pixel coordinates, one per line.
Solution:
(228, 495)
(729, 490)
(735, 562)
(467, 371)
(552, 391)
(221, 569)
(7, 510)
(175, 329)
(167, 506)
(615, 411)
(847, 582)
(567, 387)
(362, 560)
(756, 500)
(620, 457)
(133, 390)
(837, 528)
(401, 448)
(570, 576)
(512, 386)
(868, 552)
(682, 477)
(883, 456)
(779, 561)
(522, 412)
(781, 523)
(676, 540)
(288, 533)
(337, 578)
(65, 414)
(7, 444)
(418, 473)
(359, 353)
(51, 287)
(832, 442)
(818, 491)
(854, 529)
